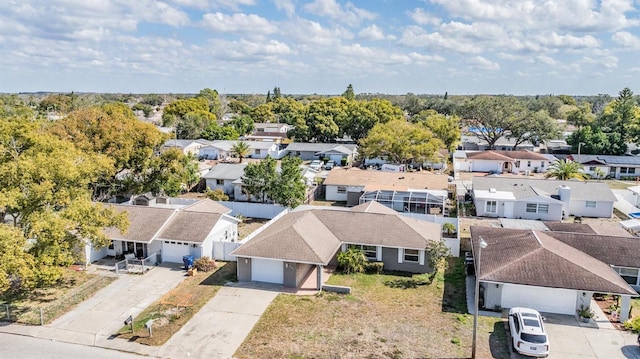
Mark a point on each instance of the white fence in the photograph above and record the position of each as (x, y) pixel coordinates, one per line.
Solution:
(253, 210)
(221, 250)
(452, 243)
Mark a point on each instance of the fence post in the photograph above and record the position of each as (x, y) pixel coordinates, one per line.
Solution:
(8, 314)
(117, 269)
(41, 317)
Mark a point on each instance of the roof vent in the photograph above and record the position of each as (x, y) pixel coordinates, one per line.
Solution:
(492, 190)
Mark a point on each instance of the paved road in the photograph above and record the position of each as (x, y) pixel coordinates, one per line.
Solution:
(18, 346)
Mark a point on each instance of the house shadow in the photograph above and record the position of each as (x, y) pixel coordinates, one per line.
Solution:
(499, 341)
(221, 276)
(454, 298)
(630, 351)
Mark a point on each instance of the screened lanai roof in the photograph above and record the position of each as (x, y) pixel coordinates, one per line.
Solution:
(435, 197)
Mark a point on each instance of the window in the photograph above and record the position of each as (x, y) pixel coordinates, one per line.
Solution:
(630, 275)
(591, 169)
(411, 255)
(628, 170)
(342, 189)
(111, 245)
(537, 208)
(491, 207)
(591, 204)
(517, 163)
(257, 152)
(371, 252)
(542, 164)
(220, 182)
(528, 163)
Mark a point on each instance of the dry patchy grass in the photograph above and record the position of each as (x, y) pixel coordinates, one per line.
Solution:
(177, 307)
(249, 225)
(377, 320)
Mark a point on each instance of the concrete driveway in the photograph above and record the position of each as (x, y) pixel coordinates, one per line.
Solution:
(572, 340)
(221, 325)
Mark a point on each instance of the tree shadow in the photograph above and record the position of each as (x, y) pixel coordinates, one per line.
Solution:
(223, 275)
(454, 298)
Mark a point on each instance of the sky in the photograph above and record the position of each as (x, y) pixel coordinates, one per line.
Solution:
(462, 47)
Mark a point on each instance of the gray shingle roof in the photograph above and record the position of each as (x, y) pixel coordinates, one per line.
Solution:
(317, 147)
(189, 226)
(144, 222)
(228, 171)
(207, 205)
(613, 250)
(609, 160)
(526, 188)
(535, 258)
(315, 235)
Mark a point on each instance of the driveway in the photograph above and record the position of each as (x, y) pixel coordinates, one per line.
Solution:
(221, 325)
(570, 340)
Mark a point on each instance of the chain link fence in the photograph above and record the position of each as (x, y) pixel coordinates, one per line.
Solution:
(44, 314)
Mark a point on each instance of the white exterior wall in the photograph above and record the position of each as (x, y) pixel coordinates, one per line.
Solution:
(154, 247)
(524, 166)
(542, 299)
(486, 165)
(227, 187)
(209, 152)
(92, 254)
(331, 192)
(504, 208)
(602, 210)
(520, 210)
(605, 169)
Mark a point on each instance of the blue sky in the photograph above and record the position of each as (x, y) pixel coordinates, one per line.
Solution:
(577, 47)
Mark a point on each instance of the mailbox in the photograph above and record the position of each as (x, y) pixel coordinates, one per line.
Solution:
(148, 324)
(128, 320)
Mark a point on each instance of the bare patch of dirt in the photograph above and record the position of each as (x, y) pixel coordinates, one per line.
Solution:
(249, 225)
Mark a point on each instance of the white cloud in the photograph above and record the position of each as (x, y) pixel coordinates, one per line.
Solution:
(546, 60)
(554, 40)
(238, 23)
(172, 16)
(349, 14)
(422, 17)
(214, 4)
(307, 33)
(372, 32)
(479, 62)
(626, 39)
(287, 6)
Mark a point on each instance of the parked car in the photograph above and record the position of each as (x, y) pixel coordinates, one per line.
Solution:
(316, 165)
(528, 336)
(330, 164)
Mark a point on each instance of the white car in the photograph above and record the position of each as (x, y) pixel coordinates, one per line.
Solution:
(316, 165)
(528, 336)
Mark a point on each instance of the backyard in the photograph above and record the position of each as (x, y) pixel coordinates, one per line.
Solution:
(393, 315)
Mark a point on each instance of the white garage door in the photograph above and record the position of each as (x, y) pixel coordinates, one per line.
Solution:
(267, 270)
(174, 251)
(542, 299)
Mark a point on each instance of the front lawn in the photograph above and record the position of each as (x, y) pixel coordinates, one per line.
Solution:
(177, 307)
(386, 316)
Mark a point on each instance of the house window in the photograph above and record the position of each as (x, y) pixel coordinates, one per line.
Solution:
(630, 275)
(591, 169)
(517, 163)
(220, 182)
(371, 252)
(528, 163)
(628, 170)
(411, 255)
(111, 245)
(257, 152)
(342, 189)
(542, 164)
(591, 204)
(491, 207)
(537, 208)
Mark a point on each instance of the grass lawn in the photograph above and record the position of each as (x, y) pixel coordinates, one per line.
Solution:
(175, 308)
(386, 316)
(55, 300)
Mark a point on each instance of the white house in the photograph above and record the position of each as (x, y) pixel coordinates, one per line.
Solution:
(223, 175)
(521, 161)
(473, 143)
(552, 200)
(171, 228)
(186, 146)
(219, 149)
(314, 151)
(611, 166)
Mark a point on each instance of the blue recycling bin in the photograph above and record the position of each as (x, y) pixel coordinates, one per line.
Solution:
(188, 261)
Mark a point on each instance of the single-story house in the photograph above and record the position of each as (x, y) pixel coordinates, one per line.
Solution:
(544, 271)
(473, 143)
(223, 176)
(171, 229)
(266, 129)
(240, 194)
(549, 200)
(292, 247)
(350, 184)
(316, 151)
(220, 149)
(521, 161)
(186, 146)
(611, 166)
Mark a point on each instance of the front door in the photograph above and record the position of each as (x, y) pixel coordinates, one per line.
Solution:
(139, 249)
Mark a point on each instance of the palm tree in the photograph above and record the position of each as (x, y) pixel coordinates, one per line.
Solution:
(240, 149)
(565, 170)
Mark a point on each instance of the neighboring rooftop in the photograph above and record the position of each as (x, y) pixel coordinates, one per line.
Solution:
(228, 171)
(373, 180)
(317, 147)
(527, 188)
(607, 160)
(506, 155)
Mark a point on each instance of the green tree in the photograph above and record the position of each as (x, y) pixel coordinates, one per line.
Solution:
(400, 142)
(622, 116)
(260, 178)
(582, 116)
(242, 124)
(263, 113)
(171, 173)
(565, 170)
(537, 127)
(437, 254)
(239, 107)
(288, 110)
(491, 117)
(446, 128)
(17, 266)
(323, 117)
(349, 94)
(193, 124)
(352, 261)
(289, 189)
(213, 100)
(216, 132)
(176, 110)
(240, 149)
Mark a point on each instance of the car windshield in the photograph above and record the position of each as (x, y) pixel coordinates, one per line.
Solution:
(533, 338)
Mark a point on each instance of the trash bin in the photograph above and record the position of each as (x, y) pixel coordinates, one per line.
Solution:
(188, 261)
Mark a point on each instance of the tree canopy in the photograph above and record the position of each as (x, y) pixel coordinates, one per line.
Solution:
(399, 141)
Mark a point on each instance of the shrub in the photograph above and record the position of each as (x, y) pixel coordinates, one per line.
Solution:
(352, 261)
(633, 324)
(205, 264)
(374, 267)
(216, 195)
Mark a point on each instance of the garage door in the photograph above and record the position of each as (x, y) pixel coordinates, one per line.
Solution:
(174, 251)
(542, 299)
(267, 270)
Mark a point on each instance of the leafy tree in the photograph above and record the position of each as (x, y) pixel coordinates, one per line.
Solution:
(582, 116)
(323, 117)
(263, 114)
(349, 94)
(567, 100)
(152, 100)
(596, 142)
(146, 109)
(400, 142)
(213, 131)
(446, 128)
(565, 170)
(622, 116)
(437, 254)
(260, 178)
(288, 110)
(536, 127)
(242, 124)
(289, 189)
(352, 261)
(171, 173)
(17, 266)
(216, 195)
(213, 100)
(490, 118)
(177, 110)
(240, 149)
(193, 124)
(239, 107)
(413, 104)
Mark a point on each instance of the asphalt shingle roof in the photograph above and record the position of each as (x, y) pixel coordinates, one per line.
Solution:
(380, 180)
(144, 222)
(535, 258)
(228, 171)
(526, 188)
